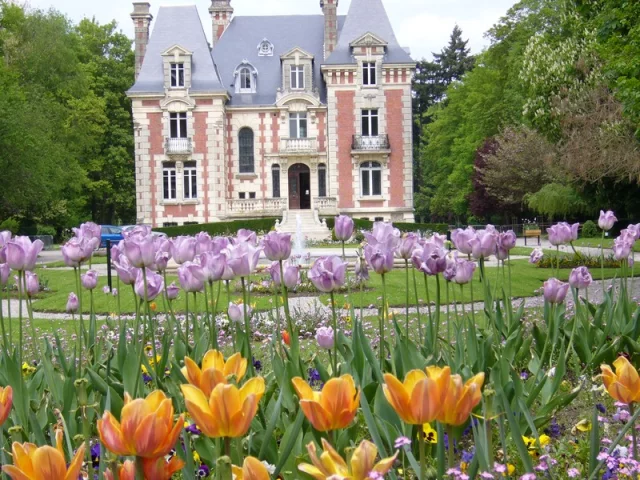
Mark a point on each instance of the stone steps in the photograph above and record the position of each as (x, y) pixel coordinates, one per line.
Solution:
(311, 227)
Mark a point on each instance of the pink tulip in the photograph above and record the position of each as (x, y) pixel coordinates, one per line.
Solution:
(5, 271)
(172, 291)
(22, 254)
(343, 228)
(183, 249)
(72, 303)
(383, 234)
(243, 258)
(555, 291)
(606, 220)
(277, 246)
(155, 285)
(325, 338)
(190, 277)
(580, 278)
(89, 280)
(328, 273)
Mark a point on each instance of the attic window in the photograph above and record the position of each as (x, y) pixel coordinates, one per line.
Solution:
(265, 48)
(245, 78)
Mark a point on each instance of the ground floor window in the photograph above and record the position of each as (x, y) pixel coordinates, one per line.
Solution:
(322, 180)
(169, 181)
(190, 181)
(371, 179)
(275, 180)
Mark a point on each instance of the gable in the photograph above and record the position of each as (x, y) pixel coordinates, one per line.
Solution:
(369, 40)
(296, 53)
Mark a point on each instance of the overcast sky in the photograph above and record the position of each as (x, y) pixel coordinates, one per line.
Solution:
(422, 25)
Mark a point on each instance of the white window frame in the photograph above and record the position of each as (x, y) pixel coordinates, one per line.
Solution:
(297, 74)
(244, 77)
(369, 72)
(177, 75)
(369, 115)
(180, 119)
(190, 182)
(367, 169)
(169, 182)
(297, 119)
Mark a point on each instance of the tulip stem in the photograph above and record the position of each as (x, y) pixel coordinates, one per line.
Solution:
(473, 306)
(4, 333)
(426, 288)
(335, 334)
(576, 301)
(450, 452)
(232, 325)
(415, 289)
(139, 469)
(448, 314)
(227, 443)
(153, 336)
(634, 437)
(21, 293)
(406, 269)
(423, 457)
(437, 317)
(247, 326)
(383, 317)
(186, 320)
(82, 329)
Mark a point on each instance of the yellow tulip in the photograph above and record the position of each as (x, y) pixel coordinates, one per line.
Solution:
(214, 370)
(44, 463)
(228, 411)
(6, 402)
(624, 385)
(333, 408)
(331, 465)
(146, 428)
(252, 469)
(420, 398)
(461, 399)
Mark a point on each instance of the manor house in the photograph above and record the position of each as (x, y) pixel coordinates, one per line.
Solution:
(291, 116)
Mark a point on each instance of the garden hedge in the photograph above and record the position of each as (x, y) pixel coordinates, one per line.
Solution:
(442, 228)
(220, 228)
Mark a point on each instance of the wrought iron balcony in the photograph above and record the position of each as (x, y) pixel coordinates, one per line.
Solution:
(371, 144)
(299, 146)
(179, 146)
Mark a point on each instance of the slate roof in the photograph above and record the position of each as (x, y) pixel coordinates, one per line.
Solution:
(240, 42)
(178, 26)
(367, 16)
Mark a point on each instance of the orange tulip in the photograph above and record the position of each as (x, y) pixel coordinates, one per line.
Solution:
(146, 428)
(461, 399)
(624, 385)
(286, 338)
(420, 398)
(334, 407)
(228, 411)
(44, 463)
(331, 465)
(126, 471)
(214, 370)
(252, 469)
(153, 468)
(6, 402)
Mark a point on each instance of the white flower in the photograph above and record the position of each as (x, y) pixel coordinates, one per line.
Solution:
(552, 372)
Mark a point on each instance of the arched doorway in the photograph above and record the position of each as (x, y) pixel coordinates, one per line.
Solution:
(299, 187)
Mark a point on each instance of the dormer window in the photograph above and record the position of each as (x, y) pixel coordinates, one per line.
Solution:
(265, 48)
(297, 77)
(245, 80)
(369, 74)
(246, 77)
(177, 75)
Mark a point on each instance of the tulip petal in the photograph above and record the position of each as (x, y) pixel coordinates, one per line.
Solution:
(132, 414)
(224, 403)
(209, 379)
(193, 373)
(386, 464)
(337, 395)
(48, 463)
(150, 435)
(363, 459)
(198, 407)
(304, 391)
(254, 469)
(241, 421)
(303, 467)
(413, 377)
(111, 435)
(16, 474)
(336, 459)
(316, 414)
(236, 365)
(213, 359)
(425, 401)
(398, 397)
(22, 457)
(255, 386)
(73, 472)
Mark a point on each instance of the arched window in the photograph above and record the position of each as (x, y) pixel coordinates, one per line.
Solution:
(245, 139)
(322, 180)
(245, 80)
(275, 180)
(371, 179)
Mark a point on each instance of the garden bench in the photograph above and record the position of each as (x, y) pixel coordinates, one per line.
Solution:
(532, 233)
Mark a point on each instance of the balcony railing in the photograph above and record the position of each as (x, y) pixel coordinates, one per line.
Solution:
(256, 206)
(299, 145)
(369, 144)
(326, 205)
(178, 146)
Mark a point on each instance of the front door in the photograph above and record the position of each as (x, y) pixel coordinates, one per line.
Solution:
(299, 187)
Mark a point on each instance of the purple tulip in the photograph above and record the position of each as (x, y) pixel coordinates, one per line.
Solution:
(485, 243)
(437, 239)
(343, 228)
(464, 271)
(219, 244)
(155, 285)
(190, 276)
(213, 267)
(461, 238)
(236, 312)
(622, 248)
(507, 240)
(89, 280)
(407, 244)
(137, 231)
(379, 257)
(204, 243)
(361, 270)
(383, 234)
(22, 254)
(140, 250)
(72, 303)
(5, 271)
(277, 246)
(78, 250)
(633, 231)
(430, 259)
(562, 233)
(183, 249)
(117, 250)
(325, 338)
(5, 237)
(606, 220)
(451, 270)
(536, 256)
(580, 278)
(162, 261)
(328, 273)
(291, 274)
(555, 291)
(246, 236)
(172, 291)
(32, 283)
(89, 231)
(575, 228)
(243, 258)
(126, 272)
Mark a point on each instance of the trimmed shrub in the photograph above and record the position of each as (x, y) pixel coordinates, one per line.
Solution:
(573, 261)
(590, 229)
(10, 224)
(360, 224)
(260, 225)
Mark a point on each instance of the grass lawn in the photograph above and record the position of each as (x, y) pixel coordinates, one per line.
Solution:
(526, 279)
(596, 242)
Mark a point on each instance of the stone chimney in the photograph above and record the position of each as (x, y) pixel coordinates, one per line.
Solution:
(330, 10)
(141, 21)
(221, 12)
